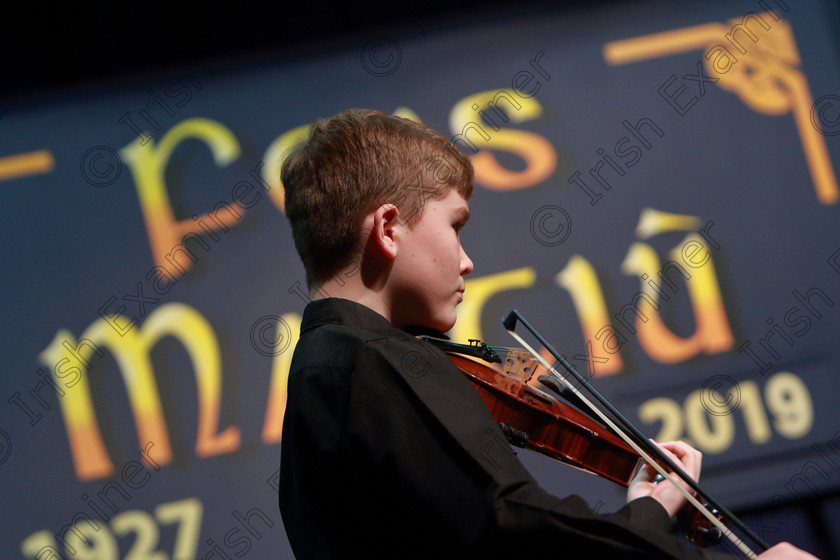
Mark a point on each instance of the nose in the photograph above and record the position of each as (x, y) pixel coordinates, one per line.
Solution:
(466, 263)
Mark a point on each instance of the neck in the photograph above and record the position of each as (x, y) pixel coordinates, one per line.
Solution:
(352, 288)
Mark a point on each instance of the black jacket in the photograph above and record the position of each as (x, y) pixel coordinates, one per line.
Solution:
(388, 451)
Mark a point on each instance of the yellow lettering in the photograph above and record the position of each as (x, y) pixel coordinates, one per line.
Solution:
(272, 432)
(474, 132)
(581, 281)
(769, 81)
(712, 334)
(167, 235)
(720, 59)
(132, 350)
(766, 77)
(86, 446)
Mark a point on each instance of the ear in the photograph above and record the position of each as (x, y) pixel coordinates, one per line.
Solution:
(384, 222)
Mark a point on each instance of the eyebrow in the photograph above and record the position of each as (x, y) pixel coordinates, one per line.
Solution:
(462, 214)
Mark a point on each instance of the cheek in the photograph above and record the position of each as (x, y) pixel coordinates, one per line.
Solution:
(445, 257)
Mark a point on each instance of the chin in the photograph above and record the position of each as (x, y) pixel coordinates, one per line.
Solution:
(446, 324)
(441, 320)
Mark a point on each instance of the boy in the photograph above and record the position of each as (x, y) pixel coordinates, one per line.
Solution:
(387, 449)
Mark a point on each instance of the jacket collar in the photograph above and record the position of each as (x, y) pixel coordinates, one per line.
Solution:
(337, 311)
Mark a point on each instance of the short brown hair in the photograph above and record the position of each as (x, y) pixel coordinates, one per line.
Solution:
(352, 163)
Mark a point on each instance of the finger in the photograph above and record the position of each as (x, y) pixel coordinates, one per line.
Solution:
(645, 473)
(684, 456)
(678, 448)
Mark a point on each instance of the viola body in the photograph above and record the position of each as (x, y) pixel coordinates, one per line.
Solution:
(536, 420)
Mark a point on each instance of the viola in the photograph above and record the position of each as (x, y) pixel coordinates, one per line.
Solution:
(523, 393)
(534, 419)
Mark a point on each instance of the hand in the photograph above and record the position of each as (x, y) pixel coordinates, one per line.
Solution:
(785, 551)
(685, 457)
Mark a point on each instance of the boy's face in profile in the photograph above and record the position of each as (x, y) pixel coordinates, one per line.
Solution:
(430, 265)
